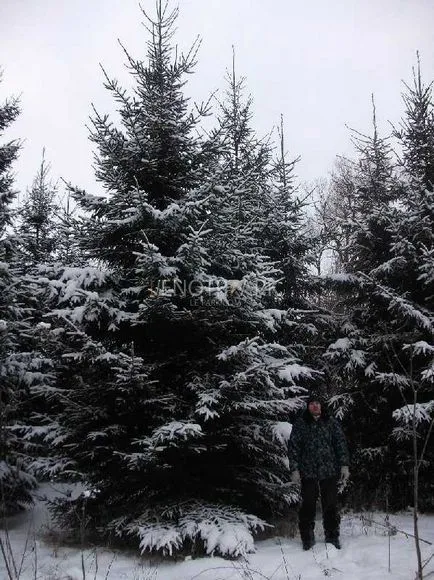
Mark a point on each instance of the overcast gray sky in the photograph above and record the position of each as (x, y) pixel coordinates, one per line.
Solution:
(315, 61)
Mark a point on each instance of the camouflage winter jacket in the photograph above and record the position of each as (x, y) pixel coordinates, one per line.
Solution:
(318, 449)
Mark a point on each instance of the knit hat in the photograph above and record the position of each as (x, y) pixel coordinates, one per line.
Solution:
(315, 396)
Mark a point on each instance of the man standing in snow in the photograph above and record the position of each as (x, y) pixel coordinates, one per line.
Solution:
(318, 459)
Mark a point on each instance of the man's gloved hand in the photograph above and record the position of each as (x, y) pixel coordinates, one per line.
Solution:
(295, 477)
(345, 474)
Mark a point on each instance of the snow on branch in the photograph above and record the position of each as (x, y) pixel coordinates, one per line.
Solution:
(174, 433)
(222, 530)
(420, 347)
(73, 281)
(393, 380)
(206, 401)
(388, 266)
(270, 406)
(422, 413)
(428, 373)
(273, 317)
(341, 344)
(355, 357)
(421, 317)
(250, 345)
(373, 453)
(281, 431)
(295, 371)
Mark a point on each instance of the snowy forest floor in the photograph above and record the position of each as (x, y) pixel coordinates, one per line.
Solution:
(38, 550)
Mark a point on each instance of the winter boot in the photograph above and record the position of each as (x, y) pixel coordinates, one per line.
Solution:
(307, 539)
(334, 540)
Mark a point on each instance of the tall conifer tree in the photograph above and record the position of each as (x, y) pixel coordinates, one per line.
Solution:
(179, 384)
(384, 346)
(37, 225)
(15, 480)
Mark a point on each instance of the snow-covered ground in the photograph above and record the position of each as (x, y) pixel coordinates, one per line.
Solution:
(364, 555)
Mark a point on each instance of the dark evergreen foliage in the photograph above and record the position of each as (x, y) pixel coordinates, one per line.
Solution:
(15, 480)
(37, 219)
(172, 384)
(383, 349)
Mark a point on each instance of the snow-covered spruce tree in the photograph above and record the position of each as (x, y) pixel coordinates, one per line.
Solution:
(386, 345)
(174, 388)
(364, 189)
(39, 246)
(259, 212)
(239, 218)
(15, 481)
(286, 237)
(36, 218)
(364, 331)
(289, 242)
(68, 227)
(258, 215)
(255, 227)
(397, 345)
(413, 268)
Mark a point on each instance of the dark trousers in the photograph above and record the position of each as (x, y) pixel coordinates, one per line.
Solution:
(310, 489)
